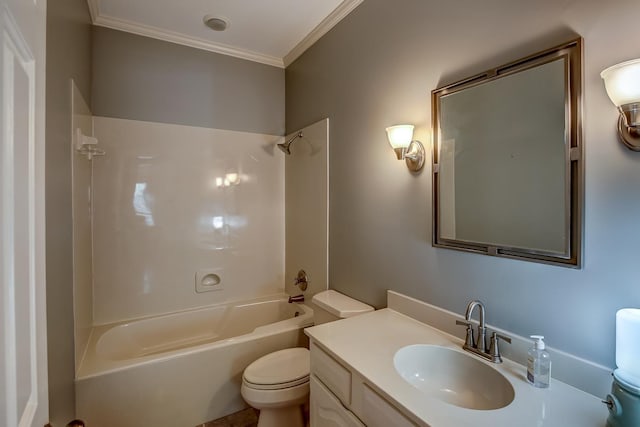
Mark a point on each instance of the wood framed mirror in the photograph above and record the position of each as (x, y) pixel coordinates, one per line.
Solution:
(507, 159)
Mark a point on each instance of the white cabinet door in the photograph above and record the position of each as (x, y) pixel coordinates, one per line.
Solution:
(378, 412)
(23, 350)
(326, 409)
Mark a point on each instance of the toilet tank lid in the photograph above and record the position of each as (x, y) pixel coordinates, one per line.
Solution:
(340, 305)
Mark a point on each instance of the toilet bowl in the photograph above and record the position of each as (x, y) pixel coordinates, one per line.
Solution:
(278, 385)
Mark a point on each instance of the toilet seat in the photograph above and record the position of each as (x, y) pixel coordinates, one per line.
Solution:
(278, 386)
(279, 370)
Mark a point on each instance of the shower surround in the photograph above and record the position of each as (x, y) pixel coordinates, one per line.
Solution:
(178, 210)
(175, 205)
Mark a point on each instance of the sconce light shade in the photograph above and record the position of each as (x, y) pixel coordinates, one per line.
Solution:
(622, 82)
(400, 136)
(401, 140)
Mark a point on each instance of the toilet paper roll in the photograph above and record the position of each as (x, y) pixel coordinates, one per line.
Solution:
(628, 343)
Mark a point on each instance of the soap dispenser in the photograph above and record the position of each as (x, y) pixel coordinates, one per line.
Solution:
(538, 363)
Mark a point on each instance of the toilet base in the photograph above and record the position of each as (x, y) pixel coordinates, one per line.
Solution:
(290, 416)
(278, 408)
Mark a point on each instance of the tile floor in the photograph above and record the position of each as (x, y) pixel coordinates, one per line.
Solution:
(245, 418)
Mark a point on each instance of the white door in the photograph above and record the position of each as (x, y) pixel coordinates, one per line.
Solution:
(23, 356)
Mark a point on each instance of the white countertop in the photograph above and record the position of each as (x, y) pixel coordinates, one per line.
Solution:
(367, 344)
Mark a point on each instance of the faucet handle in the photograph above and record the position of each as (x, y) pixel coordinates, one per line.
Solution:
(469, 341)
(494, 350)
(502, 337)
(301, 280)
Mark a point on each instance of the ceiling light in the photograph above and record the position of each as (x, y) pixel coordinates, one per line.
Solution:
(216, 23)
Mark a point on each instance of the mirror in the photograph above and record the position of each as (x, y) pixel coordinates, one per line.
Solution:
(507, 161)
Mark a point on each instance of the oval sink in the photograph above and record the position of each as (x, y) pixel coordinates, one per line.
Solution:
(453, 377)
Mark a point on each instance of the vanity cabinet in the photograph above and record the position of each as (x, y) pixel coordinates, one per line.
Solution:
(341, 398)
(326, 410)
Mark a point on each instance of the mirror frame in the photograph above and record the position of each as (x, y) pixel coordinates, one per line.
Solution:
(571, 53)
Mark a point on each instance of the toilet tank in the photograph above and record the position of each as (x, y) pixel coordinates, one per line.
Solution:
(331, 305)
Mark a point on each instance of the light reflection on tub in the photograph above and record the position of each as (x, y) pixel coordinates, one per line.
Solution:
(120, 345)
(191, 328)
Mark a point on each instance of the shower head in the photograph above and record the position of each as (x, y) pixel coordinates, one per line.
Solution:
(285, 146)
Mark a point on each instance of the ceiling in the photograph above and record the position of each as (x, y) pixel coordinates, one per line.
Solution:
(273, 32)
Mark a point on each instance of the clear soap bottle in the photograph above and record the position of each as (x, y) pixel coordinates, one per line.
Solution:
(538, 363)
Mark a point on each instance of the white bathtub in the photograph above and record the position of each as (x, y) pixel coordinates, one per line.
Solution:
(181, 369)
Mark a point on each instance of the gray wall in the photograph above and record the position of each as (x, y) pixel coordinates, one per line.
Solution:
(377, 68)
(68, 56)
(140, 78)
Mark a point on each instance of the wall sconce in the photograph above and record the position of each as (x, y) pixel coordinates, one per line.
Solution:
(405, 147)
(622, 82)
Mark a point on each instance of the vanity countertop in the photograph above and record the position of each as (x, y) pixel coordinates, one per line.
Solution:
(368, 343)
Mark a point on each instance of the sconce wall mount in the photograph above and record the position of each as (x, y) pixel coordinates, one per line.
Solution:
(629, 126)
(622, 82)
(406, 148)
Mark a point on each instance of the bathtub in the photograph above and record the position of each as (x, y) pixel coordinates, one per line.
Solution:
(181, 369)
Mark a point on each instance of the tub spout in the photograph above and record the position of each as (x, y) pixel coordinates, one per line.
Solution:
(297, 298)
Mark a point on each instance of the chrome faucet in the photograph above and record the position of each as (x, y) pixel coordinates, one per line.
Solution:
(480, 347)
(481, 343)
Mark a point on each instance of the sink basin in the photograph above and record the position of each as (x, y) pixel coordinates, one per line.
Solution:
(453, 377)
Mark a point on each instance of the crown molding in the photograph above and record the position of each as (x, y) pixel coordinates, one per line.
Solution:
(173, 37)
(94, 9)
(345, 8)
(158, 33)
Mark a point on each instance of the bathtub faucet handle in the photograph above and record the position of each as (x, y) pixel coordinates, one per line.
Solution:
(297, 298)
(301, 280)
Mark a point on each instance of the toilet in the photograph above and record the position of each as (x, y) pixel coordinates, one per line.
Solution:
(278, 383)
